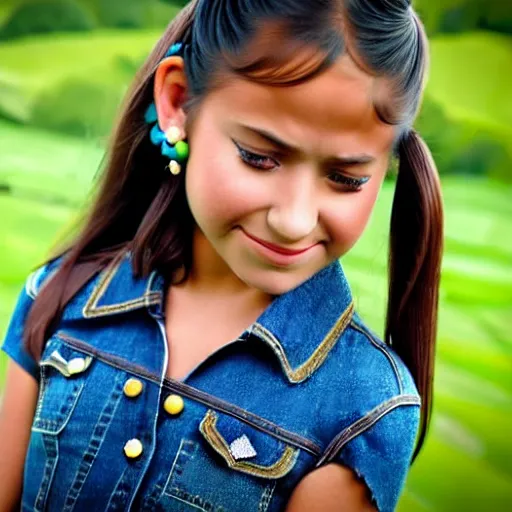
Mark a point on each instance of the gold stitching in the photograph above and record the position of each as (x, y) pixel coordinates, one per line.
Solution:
(91, 309)
(278, 469)
(306, 369)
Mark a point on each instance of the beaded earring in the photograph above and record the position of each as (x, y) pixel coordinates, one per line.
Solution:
(171, 143)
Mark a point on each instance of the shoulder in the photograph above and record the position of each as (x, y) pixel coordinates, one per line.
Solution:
(382, 362)
(377, 378)
(378, 428)
(13, 342)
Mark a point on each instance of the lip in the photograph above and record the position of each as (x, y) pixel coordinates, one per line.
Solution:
(279, 249)
(278, 258)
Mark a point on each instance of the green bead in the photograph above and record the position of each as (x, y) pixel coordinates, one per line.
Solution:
(182, 150)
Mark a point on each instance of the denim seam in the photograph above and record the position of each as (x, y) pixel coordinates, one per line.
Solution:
(151, 500)
(97, 438)
(167, 487)
(115, 494)
(174, 497)
(91, 308)
(278, 469)
(42, 387)
(48, 472)
(364, 423)
(317, 358)
(384, 351)
(195, 394)
(172, 489)
(159, 488)
(267, 497)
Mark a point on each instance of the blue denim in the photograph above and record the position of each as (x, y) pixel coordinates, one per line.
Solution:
(305, 385)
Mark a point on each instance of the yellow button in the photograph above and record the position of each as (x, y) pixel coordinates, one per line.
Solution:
(174, 404)
(133, 387)
(133, 448)
(76, 365)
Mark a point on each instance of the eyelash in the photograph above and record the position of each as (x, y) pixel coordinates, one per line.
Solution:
(255, 161)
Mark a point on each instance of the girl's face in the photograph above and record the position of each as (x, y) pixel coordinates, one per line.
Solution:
(299, 167)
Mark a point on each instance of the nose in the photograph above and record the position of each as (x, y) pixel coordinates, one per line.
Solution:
(294, 212)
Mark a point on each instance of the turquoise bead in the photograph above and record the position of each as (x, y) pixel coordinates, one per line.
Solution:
(182, 150)
(175, 48)
(169, 151)
(151, 114)
(156, 135)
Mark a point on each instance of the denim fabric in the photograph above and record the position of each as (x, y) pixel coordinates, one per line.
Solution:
(305, 385)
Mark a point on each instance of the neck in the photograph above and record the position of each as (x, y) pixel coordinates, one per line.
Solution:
(210, 275)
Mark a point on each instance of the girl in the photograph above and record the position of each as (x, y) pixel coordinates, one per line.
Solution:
(195, 347)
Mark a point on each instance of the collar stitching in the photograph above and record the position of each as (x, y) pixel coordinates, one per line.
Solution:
(306, 369)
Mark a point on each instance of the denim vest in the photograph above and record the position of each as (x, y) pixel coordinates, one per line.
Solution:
(305, 385)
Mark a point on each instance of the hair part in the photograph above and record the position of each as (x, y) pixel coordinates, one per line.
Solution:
(147, 212)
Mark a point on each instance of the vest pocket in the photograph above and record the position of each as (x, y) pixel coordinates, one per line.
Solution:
(245, 449)
(63, 375)
(226, 465)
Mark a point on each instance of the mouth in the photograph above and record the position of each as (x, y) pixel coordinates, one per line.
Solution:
(278, 248)
(276, 255)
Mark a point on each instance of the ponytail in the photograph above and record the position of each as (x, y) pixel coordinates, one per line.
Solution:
(416, 243)
(126, 203)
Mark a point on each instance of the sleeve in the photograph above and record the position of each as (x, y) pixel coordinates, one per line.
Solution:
(13, 341)
(381, 455)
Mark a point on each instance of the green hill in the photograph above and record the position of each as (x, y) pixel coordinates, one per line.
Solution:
(471, 77)
(37, 65)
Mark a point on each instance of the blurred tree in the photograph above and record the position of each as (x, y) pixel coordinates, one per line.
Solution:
(181, 3)
(119, 13)
(461, 17)
(439, 132)
(498, 19)
(460, 147)
(46, 16)
(465, 15)
(483, 156)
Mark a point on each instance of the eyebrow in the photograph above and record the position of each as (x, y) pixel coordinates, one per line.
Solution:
(284, 146)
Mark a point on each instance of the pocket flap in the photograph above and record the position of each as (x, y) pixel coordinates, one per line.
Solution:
(246, 449)
(76, 364)
(63, 376)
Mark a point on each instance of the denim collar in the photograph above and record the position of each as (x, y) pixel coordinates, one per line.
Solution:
(301, 326)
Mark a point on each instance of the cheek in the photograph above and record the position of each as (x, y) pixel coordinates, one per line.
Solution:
(218, 189)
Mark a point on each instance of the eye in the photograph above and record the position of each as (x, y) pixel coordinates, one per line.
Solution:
(349, 183)
(256, 160)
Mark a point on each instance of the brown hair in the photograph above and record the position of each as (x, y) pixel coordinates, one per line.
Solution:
(147, 212)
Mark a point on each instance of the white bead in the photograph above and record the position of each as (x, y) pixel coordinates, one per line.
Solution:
(174, 167)
(173, 135)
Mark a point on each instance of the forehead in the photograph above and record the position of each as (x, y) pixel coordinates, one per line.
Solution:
(332, 111)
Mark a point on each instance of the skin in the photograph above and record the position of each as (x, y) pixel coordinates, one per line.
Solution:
(295, 202)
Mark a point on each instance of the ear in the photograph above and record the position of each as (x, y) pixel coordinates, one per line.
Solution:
(170, 91)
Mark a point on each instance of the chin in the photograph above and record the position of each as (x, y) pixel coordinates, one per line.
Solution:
(274, 282)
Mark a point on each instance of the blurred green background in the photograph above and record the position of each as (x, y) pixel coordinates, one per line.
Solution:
(64, 67)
